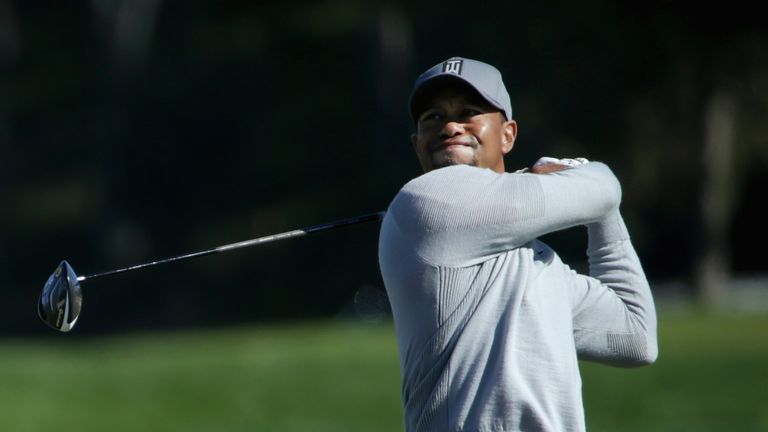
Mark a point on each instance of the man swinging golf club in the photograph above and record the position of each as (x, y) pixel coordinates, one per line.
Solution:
(490, 322)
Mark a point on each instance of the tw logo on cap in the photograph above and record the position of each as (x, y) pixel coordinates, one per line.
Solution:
(453, 66)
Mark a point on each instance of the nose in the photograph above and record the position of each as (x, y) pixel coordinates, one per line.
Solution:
(452, 128)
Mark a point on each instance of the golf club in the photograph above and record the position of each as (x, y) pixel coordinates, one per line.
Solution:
(61, 300)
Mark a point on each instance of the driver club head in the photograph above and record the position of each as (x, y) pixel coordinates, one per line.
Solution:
(61, 300)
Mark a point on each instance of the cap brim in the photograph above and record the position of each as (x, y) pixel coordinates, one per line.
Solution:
(421, 94)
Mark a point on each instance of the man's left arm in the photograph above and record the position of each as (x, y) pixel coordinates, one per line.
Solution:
(614, 313)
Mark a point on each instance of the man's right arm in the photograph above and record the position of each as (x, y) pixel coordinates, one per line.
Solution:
(462, 215)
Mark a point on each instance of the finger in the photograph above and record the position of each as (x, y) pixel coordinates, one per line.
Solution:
(548, 168)
(546, 160)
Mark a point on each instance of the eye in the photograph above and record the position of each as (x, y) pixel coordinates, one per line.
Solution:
(431, 115)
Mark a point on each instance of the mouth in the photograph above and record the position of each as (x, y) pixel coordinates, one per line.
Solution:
(452, 143)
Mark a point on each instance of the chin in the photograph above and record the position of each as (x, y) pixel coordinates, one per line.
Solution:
(446, 162)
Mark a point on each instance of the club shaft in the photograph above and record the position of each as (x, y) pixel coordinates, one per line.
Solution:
(247, 243)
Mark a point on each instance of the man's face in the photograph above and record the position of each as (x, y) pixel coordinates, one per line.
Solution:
(457, 126)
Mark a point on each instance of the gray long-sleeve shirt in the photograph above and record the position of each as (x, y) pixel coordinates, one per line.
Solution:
(490, 322)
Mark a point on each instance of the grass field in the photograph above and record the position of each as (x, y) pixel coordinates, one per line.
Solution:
(712, 375)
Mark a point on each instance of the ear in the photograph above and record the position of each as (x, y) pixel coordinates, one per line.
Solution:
(414, 137)
(509, 133)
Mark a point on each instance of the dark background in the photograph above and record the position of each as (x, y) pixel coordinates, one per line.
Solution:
(136, 130)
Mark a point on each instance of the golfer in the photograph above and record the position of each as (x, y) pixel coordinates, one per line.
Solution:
(490, 322)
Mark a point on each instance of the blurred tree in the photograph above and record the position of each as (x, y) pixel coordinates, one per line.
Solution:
(712, 271)
(693, 123)
(9, 33)
(131, 130)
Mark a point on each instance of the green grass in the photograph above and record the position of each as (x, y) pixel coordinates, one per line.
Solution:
(712, 375)
(313, 377)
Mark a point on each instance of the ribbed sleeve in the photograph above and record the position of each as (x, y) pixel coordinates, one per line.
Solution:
(462, 215)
